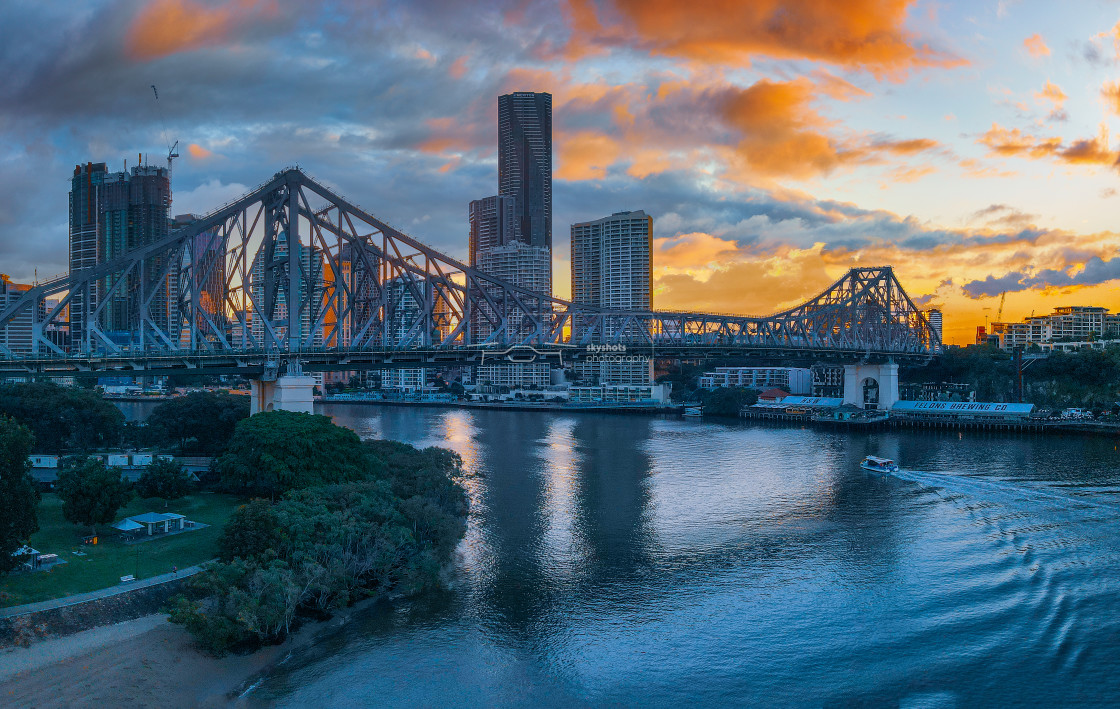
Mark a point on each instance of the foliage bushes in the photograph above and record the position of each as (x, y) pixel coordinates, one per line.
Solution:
(91, 492)
(278, 451)
(63, 418)
(352, 520)
(726, 401)
(164, 479)
(201, 423)
(18, 498)
(1087, 378)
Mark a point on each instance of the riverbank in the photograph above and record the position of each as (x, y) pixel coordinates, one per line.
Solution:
(147, 662)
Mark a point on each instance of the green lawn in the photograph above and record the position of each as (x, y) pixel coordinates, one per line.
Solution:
(104, 564)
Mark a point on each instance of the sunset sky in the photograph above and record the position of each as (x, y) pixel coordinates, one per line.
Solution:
(776, 144)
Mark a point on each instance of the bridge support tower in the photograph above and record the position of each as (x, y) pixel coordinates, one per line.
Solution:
(871, 386)
(294, 391)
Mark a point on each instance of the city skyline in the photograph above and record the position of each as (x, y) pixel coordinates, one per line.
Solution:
(967, 147)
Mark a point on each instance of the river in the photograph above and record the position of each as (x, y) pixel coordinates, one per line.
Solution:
(640, 561)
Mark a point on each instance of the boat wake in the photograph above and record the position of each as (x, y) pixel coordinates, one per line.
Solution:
(1004, 491)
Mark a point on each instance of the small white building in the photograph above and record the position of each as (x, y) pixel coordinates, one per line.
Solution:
(151, 523)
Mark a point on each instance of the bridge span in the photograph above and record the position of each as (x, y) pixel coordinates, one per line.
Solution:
(293, 278)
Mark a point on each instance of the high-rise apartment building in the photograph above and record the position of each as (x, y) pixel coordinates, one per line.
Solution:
(1067, 324)
(525, 163)
(112, 213)
(612, 261)
(511, 233)
(492, 224)
(271, 303)
(612, 267)
(936, 323)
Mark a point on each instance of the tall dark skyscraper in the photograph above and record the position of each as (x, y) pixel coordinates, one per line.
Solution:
(525, 163)
(112, 213)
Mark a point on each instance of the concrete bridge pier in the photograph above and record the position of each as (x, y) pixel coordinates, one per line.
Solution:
(294, 391)
(871, 386)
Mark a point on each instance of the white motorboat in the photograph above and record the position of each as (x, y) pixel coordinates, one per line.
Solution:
(875, 464)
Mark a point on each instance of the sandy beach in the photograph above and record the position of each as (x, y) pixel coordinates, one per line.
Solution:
(147, 662)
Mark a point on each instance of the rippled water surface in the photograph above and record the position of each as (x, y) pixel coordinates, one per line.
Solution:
(658, 562)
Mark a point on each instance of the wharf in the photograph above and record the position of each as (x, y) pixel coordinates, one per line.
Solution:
(617, 408)
(1047, 426)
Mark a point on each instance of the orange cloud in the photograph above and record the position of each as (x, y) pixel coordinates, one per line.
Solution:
(448, 134)
(198, 152)
(166, 27)
(780, 131)
(585, 155)
(1036, 47)
(1014, 142)
(1111, 94)
(1053, 95)
(458, 68)
(1005, 141)
(867, 34)
(695, 253)
(909, 147)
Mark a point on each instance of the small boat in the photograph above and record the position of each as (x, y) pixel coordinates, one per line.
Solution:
(875, 464)
(694, 411)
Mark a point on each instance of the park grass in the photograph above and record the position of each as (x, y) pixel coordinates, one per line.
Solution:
(105, 563)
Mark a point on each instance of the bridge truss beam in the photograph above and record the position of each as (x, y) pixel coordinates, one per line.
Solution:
(294, 271)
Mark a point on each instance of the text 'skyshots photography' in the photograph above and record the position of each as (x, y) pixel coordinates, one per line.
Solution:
(573, 353)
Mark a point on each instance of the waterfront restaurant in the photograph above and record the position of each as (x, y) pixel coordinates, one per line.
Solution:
(962, 411)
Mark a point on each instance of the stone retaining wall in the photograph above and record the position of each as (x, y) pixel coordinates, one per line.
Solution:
(22, 630)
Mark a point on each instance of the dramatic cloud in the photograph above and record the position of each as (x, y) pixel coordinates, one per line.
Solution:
(1095, 271)
(166, 27)
(861, 34)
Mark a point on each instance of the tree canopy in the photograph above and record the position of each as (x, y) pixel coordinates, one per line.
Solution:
(391, 523)
(1086, 378)
(164, 479)
(91, 493)
(200, 423)
(18, 498)
(277, 451)
(726, 401)
(63, 418)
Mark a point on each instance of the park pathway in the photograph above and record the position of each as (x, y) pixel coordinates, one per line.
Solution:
(78, 598)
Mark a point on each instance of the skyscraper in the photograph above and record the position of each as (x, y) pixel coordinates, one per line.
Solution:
(525, 163)
(935, 322)
(612, 261)
(492, 224)
(511, 233)
(612, 267)
(112, 213)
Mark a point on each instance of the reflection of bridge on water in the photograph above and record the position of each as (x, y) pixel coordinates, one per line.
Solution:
(224, 294)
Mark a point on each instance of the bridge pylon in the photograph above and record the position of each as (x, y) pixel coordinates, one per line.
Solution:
(871, 386)
(292, 391)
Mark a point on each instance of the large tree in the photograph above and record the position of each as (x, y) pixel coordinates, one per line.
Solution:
(91, 492)
(18, 498)
(277, 451)
(200, 423)
(164, 479)
(63, 418)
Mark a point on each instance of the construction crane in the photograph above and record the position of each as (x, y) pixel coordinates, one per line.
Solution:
(999, 313)
(172, 148)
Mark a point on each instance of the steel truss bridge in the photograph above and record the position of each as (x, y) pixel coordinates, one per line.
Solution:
(292, 273)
